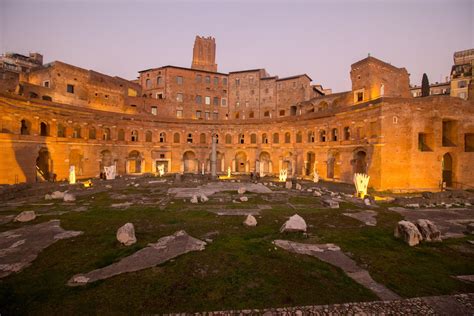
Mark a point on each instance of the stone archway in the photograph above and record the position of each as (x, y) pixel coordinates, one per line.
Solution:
(106, 159)
(359, 163)
(447, 169)
(43, 165)
(287, 162)
(190, 164)
(76, 160)
(240, 161)
(265, 163)
(334, 165)
(134, 162)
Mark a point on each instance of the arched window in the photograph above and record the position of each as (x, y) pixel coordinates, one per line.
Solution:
(217, 138)
(162, 137)
(334, 135)
(76, 133)
(134, 136)
(347, 133)
(61, 130)
(287, 137)
(106, 134)
(264, 138)
(25, 127)
(311, 137)
(92, 133)
(148, 136)
(159, 80)
(253, 138)
(276, 138)
(44, 129)
(228, 139)
(322, 136)
(299, 137)
(237, 115)
(148, 84)
(202, 138)
(176, 138)
(189, 139)
(241, 139)
(121, 134)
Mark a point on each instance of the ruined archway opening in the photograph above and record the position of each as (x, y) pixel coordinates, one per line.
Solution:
(43, 165)
(447, 166)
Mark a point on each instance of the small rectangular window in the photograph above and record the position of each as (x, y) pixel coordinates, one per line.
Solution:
(198, 99)
(46, 83)
(159, 95)
(215, 101)
(237, 82)
(70, 88)
(215, 116)
(154, 110)
(224, 102)
(208, 79)
(423, 142)
(179, 113)
(179, 80)
(198, 78)
(216, 80)
(208, 115)
(208, 100)
(198, 114)
(179, 97)
(224, 81)
(360, 96)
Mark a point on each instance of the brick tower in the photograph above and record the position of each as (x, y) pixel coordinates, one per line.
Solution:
(204, 54)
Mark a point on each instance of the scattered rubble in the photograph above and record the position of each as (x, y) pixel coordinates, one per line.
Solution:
(294, 224)
(250, 221)
(126, 234)
(25, 216)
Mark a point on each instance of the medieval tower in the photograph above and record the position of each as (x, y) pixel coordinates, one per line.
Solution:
(204, 54)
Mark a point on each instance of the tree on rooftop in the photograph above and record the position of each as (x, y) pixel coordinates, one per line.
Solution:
(425, 86)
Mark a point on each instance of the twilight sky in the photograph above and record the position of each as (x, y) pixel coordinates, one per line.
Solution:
(320, 38)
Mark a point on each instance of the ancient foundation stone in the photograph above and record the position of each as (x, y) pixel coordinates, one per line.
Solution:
(429, 231)
(25, 216)
(295, 223)
(408, 232)
(126, 234)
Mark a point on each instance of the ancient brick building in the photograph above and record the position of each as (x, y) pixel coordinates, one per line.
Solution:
(60, 115)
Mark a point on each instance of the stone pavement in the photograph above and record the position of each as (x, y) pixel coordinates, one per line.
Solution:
(459, 305)
(333, 255)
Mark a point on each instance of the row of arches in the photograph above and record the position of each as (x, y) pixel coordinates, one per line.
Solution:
(135, 135)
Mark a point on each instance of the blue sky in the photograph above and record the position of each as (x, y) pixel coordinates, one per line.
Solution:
(320, 38)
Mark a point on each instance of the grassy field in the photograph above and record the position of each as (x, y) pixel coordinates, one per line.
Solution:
(239, 269)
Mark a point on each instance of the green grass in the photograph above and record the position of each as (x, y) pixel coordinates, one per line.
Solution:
(239, 269)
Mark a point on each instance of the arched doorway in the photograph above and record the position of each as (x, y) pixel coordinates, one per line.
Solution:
(333, 166)
(75, 159)
(310, 160)
(134, 162)
(105, 159)
(240, 161)
(359, 162)
(43, 163)
(190, 164)
(287, 162)
(447, 166)
(265, 163)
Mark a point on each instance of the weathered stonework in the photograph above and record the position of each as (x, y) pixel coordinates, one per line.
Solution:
(403, 143)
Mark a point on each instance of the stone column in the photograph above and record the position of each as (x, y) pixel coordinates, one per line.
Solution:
(213, 156)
